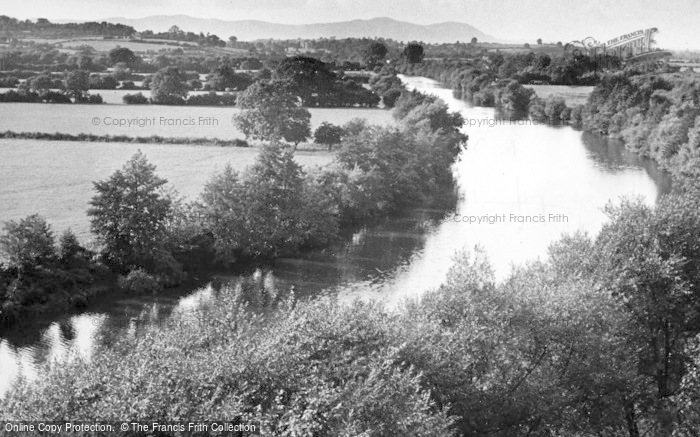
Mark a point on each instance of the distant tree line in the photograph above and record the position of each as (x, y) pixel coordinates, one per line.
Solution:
(43, 28)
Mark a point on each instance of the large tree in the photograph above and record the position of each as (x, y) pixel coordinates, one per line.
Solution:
(413, 53)
(375, 53)
(311, 78)
(169, 85)
(122, 54)
(78, 83)
(129, 213)
(329, 134)
(272, 113)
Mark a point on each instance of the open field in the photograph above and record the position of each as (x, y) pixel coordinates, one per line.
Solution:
(103, 45)
(573, 95)
(77, 164)
(166, 121)
(54, 178)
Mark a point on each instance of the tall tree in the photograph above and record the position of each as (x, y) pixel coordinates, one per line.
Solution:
(27, 243)
(375, 53)
(413, 53)
(78, 83)
(129, 212)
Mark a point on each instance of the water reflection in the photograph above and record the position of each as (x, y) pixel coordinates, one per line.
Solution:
(507, 169)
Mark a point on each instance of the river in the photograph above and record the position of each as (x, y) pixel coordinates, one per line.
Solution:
(521, 186)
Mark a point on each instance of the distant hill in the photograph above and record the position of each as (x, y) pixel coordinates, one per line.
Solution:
(249, 30)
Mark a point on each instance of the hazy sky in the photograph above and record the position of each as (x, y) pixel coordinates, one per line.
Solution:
(551, 20)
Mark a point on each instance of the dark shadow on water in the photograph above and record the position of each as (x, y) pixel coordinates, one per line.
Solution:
(612, 156)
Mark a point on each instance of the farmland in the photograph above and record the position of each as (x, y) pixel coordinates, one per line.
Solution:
(101, 119)
(77, 164)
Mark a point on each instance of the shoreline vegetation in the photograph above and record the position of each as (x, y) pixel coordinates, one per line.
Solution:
(655, 113)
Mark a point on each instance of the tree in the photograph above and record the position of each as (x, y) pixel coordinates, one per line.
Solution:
(69, 246)
(376, 51)
(474, 40)
(328, 134)
(413, 53)
(539, 41)
(650, 262)
(225, 77)
(272, 113)
(270, 210)
(311, 79)
(122, 54)
(129, 212)
(27, 243)
(85, 63)
(78, 84)
(168, 86)
(41, 83)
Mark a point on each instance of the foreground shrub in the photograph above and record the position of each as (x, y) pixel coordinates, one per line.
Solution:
(140, 282)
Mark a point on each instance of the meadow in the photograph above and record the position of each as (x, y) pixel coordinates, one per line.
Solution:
(59, 184)
(573, 95)
(167, 121)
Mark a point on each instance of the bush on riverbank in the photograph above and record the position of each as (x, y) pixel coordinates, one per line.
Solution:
(40, 274)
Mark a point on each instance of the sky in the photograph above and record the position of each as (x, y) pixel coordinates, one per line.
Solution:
(551, 20)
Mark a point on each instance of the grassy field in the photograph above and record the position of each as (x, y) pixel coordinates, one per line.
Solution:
(573, 95)
(105, 45)
(168, 121)
(54, 178)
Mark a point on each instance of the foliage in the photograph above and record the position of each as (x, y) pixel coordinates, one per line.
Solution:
(272, 113)
(270, 210)
(77, 83)
(168, 86)
(128, 214)
(376, 52)
(140, 282)
(135, 99)
(225, 77)
(413, 53)
(27, 243)
(329, 134)
(122, 54)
